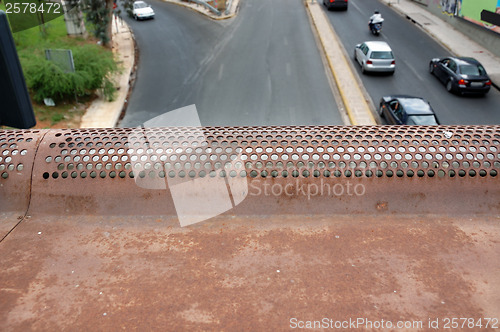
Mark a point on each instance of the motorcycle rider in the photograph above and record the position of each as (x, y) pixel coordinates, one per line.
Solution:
(376, 18)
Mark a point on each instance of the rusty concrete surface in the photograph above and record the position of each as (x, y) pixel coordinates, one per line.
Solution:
(245, 274)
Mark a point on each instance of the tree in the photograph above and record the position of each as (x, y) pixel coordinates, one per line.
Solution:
(99, 13)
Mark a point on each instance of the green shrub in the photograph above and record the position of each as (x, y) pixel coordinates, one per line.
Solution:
(93, 67)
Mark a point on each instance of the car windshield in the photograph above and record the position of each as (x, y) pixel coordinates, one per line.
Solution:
(382, 55)
(140, 5)
(422, 120)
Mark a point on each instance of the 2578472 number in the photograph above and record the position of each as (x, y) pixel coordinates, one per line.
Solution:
(33, 8)
(471, 323)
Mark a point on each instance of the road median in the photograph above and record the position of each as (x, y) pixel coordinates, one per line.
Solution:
(230, 12)
(358, 109)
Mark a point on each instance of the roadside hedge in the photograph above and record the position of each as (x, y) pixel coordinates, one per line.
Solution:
(93, 68)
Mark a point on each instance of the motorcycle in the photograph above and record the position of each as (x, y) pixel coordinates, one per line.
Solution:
(375, 28)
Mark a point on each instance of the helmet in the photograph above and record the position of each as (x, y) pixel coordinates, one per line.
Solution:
(377, 12)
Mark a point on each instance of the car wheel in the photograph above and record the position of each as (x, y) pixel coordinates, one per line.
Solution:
(449, 86)
(363, 70)
(135, 17)
(431, 68)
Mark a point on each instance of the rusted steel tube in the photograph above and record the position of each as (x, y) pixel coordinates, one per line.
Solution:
(265, 170)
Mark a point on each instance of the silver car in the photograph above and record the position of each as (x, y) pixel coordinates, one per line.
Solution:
(375, 56)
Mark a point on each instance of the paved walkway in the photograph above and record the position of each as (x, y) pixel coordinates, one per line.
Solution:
(456, 42)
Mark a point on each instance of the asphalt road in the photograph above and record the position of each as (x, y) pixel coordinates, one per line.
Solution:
(413, 50)
(262, 67)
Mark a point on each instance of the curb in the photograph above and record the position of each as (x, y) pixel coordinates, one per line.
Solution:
(131, 80)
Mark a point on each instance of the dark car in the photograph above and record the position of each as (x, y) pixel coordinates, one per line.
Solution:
(335, 4)
(461, 74)
(407, 110)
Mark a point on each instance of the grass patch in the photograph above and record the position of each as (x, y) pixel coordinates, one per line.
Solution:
(66, 114)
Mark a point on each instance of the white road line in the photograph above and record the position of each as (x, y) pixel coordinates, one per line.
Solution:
(221, 70)
(291, 111)
(355, 6)
(414, 71)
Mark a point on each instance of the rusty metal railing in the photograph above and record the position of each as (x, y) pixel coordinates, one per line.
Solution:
(266, 170)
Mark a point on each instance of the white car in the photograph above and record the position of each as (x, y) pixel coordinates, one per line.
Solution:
(142, 10)
(375, 56)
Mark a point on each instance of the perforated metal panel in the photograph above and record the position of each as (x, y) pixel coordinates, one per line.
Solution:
(276, 152)
(17, 153)
(401, 169)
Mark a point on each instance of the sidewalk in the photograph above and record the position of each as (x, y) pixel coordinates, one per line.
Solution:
(457, 43)
(104, 114)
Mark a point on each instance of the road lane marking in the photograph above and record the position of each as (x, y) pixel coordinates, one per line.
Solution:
(414, 71)
(356, 6)
(221, 70)
(291, 111)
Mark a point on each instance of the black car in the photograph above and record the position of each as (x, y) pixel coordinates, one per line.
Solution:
(335, 4)
(407, 110)
(461, 74)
